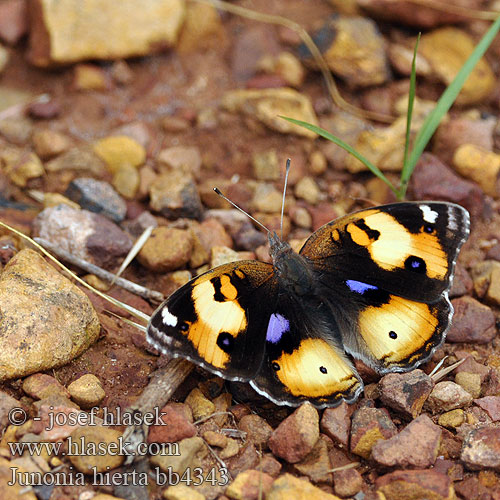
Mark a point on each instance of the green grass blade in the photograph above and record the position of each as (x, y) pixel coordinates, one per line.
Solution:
(409, 114)
(444, 104)
(325, 134)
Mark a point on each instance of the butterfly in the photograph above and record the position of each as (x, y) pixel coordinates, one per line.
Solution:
(372, 285)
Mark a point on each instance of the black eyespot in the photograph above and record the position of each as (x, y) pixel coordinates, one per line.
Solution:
(184, 327)
(393, 335)
(322, 369)
(428, 228)
(415, 264)
(275, 366)
(225, 341)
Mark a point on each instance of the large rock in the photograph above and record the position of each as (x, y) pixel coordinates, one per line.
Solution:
(65, 31)
(45, 320)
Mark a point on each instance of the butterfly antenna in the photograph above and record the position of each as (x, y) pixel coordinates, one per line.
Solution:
(287, 169)
(218, 191)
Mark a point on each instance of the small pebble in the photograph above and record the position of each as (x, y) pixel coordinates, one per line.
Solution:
(116, 151)
(296, 436)
(288, 487)
(307, 190)
(447, 396)
(181, 492)
(266, 165)
(126, 181)
(258, 431)
(166, 249)
(369, 425)
(336, 423)
(178, 421)
(97, 196)
(180, 158)
(95, 436)
(415, 446)
(267, 199)
(452, 419)
(86, 391)
(90, 77)
(191, 452)
(249, 485)
(347, 482)
(87, 235)
(471, 382)
(199, 404)
(16, 130)
(406, 392)
(174, 194)
(40, 386)
(48, 143)
(481, 449)
(413, 484)
(317, 163)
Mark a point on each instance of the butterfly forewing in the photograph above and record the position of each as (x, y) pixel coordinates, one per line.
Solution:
(218, 320)
(408, 249)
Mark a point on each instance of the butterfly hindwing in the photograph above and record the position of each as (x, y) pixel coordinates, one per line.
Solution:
(408, 249)
(304, 359)
(217, 320)
(388, 332)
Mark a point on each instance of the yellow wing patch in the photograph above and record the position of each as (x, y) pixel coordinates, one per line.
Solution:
(315, 370)
(398, 329)
(394, 244)
(215, 317)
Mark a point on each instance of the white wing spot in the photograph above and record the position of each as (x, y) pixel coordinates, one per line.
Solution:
(429, 214)
(168, 318)
(452, 222)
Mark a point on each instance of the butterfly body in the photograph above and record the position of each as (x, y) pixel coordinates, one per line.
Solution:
(372, 286)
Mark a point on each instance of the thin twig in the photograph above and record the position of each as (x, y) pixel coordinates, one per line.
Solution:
(133, 252)
(101, 273)
(352, 465)
(164, 382)
(132, 310)
(442, 373)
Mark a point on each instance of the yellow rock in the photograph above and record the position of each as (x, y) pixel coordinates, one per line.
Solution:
(64, 31)
(90, 77)
(86, 391)
(452, 419)
(120, 150)
(288, 487)
(471, 382)
(26, 166)
(182, 492)
(15, 491)
(54, 199)
(199, 404)
(268, 105)
(43, 310)
(383, 146)
(357, 52)
(126, 181)
(86, 443)
(286, 65)
(202, 25)
(49, 143)
(446, 50)
(479, 165)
